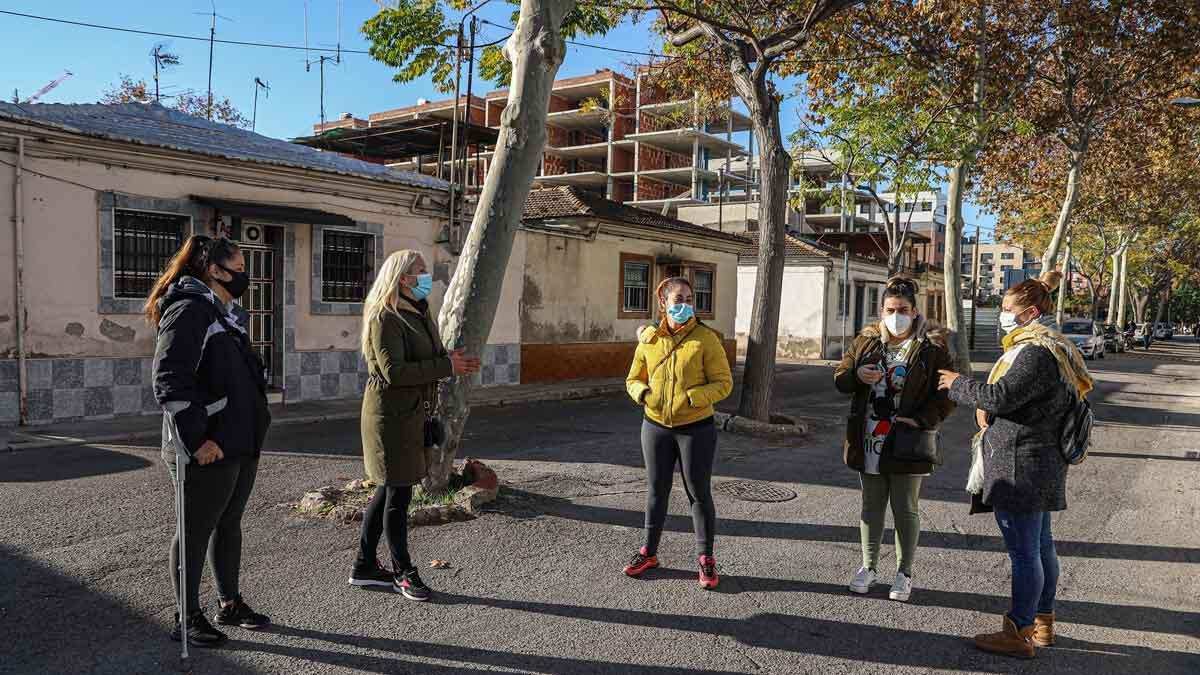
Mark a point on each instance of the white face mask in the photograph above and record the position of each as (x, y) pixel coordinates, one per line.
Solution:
(897, 324)
(1008, 322)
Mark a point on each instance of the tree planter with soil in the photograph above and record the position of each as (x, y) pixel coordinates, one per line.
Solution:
(780, 426)
(469, 490)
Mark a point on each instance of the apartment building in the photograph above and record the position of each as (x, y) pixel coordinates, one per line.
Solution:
(1001, 265)
(924, 212)
(629, 139)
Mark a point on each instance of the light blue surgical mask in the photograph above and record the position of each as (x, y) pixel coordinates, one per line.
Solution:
(424, 286)
(680, 313)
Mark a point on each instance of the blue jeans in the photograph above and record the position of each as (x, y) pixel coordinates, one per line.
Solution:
(1034, 563)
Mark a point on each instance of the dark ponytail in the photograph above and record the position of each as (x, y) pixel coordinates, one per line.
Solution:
(901, 287)
(192, 259)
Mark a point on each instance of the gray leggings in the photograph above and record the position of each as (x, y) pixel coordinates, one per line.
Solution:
(694, 448)
(215, 497)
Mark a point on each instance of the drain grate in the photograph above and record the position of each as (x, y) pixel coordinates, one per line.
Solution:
(754, 491)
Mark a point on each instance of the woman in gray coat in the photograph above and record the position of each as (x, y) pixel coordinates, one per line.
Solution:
(1021, 411)
(405, 359)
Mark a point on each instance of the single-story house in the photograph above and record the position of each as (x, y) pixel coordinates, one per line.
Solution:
(814, 307)
(108, 193)
(582, 279)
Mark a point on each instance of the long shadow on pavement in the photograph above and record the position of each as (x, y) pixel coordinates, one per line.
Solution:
(564, 508)
(467, 655)
(1127, 617)
(51, 623)
(860, 642)
(43, 466)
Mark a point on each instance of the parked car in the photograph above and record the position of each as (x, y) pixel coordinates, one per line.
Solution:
(1143, 335)
(1087, 335)
(1114, 340)
(1163, 331)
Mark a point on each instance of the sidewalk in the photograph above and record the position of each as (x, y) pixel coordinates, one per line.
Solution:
(150, 426)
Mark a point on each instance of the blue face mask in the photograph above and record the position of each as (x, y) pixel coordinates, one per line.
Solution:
(424, 286)
(680, 313)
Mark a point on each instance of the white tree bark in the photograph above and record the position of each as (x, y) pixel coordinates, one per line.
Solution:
(952, 264)
(1122, 294)
(1113, 286)
(1050, 257)
(536, 50)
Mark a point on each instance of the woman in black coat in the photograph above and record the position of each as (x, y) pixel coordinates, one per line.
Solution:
(1021, 411)
(212, 388)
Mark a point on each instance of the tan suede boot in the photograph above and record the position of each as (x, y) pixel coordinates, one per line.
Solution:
(1009, 641)
(1043, 630)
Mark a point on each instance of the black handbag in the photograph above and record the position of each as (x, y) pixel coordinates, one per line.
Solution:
(910, 444)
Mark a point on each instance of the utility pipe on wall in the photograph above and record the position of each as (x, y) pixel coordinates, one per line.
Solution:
(18, 219)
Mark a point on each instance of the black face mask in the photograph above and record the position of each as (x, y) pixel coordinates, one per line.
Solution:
(238, 284)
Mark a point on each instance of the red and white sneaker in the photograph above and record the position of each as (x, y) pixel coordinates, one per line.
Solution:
(708, 572)
(640, 562)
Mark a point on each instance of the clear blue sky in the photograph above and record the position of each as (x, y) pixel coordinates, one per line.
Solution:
(35, 52)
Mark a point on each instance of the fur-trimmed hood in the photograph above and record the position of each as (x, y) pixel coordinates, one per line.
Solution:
(925, 330)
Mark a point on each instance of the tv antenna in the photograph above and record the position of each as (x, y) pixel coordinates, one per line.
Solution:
(259, 83)
(44, 90)
(162, 60)
(321, 59)
(212, 36)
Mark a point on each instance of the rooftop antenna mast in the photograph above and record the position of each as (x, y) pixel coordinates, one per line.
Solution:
(259, 83)
(162, 60)
(46, 89)
(212, 36)
(321, 59)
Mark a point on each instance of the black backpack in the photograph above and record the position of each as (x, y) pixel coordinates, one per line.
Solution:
(1076, 435)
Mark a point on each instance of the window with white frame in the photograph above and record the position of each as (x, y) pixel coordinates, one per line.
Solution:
(926, 207)
(143, 244)
(874, 306)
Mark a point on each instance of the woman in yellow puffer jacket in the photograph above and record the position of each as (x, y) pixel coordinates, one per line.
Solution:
(680, 370)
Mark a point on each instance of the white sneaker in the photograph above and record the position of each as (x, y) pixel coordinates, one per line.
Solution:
(901, 587)
(863, 581)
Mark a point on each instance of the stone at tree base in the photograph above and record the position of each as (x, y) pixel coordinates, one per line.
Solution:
(480, 475)
(473, 497)
(318, 499)
(346, 514)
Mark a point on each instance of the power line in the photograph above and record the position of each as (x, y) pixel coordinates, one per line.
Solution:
(198, 38)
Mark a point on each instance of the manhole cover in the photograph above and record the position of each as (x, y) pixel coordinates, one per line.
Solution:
(754, 491)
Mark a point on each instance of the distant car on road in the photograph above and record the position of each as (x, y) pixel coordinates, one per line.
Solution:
(1114, 340)
(1163, 331)
(1087, 335)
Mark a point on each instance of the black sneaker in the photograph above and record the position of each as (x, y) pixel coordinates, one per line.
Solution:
(409, 584)
(371, 575)
(200, 631)
(240, 614)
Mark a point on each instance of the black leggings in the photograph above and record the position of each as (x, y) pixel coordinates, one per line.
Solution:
(694, 447)
(388, 510)
(215, 497)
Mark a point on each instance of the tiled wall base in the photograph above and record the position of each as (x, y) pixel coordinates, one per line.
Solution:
(91, 388)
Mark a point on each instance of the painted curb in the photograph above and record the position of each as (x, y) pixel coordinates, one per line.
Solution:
(533, 397)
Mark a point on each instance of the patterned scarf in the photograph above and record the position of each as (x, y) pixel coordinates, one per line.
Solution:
(1044, 333)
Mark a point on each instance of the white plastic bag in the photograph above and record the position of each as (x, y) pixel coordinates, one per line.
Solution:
(975, 476)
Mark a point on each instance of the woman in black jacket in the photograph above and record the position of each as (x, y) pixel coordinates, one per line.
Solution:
(1018, 469)
(212, 388)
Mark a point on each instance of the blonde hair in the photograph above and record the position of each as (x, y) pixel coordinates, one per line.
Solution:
(385, 292)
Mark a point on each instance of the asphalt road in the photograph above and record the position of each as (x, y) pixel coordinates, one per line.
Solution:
(536, 583)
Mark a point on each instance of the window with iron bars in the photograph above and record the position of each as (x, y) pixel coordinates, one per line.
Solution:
(143, 244)
(703, 291)
(636, 287)
(347, 266)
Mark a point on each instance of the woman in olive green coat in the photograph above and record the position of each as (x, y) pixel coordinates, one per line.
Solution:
(405, 359)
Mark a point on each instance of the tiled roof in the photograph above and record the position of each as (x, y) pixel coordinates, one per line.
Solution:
(153, 125)
(800, 246)
(568, 201)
